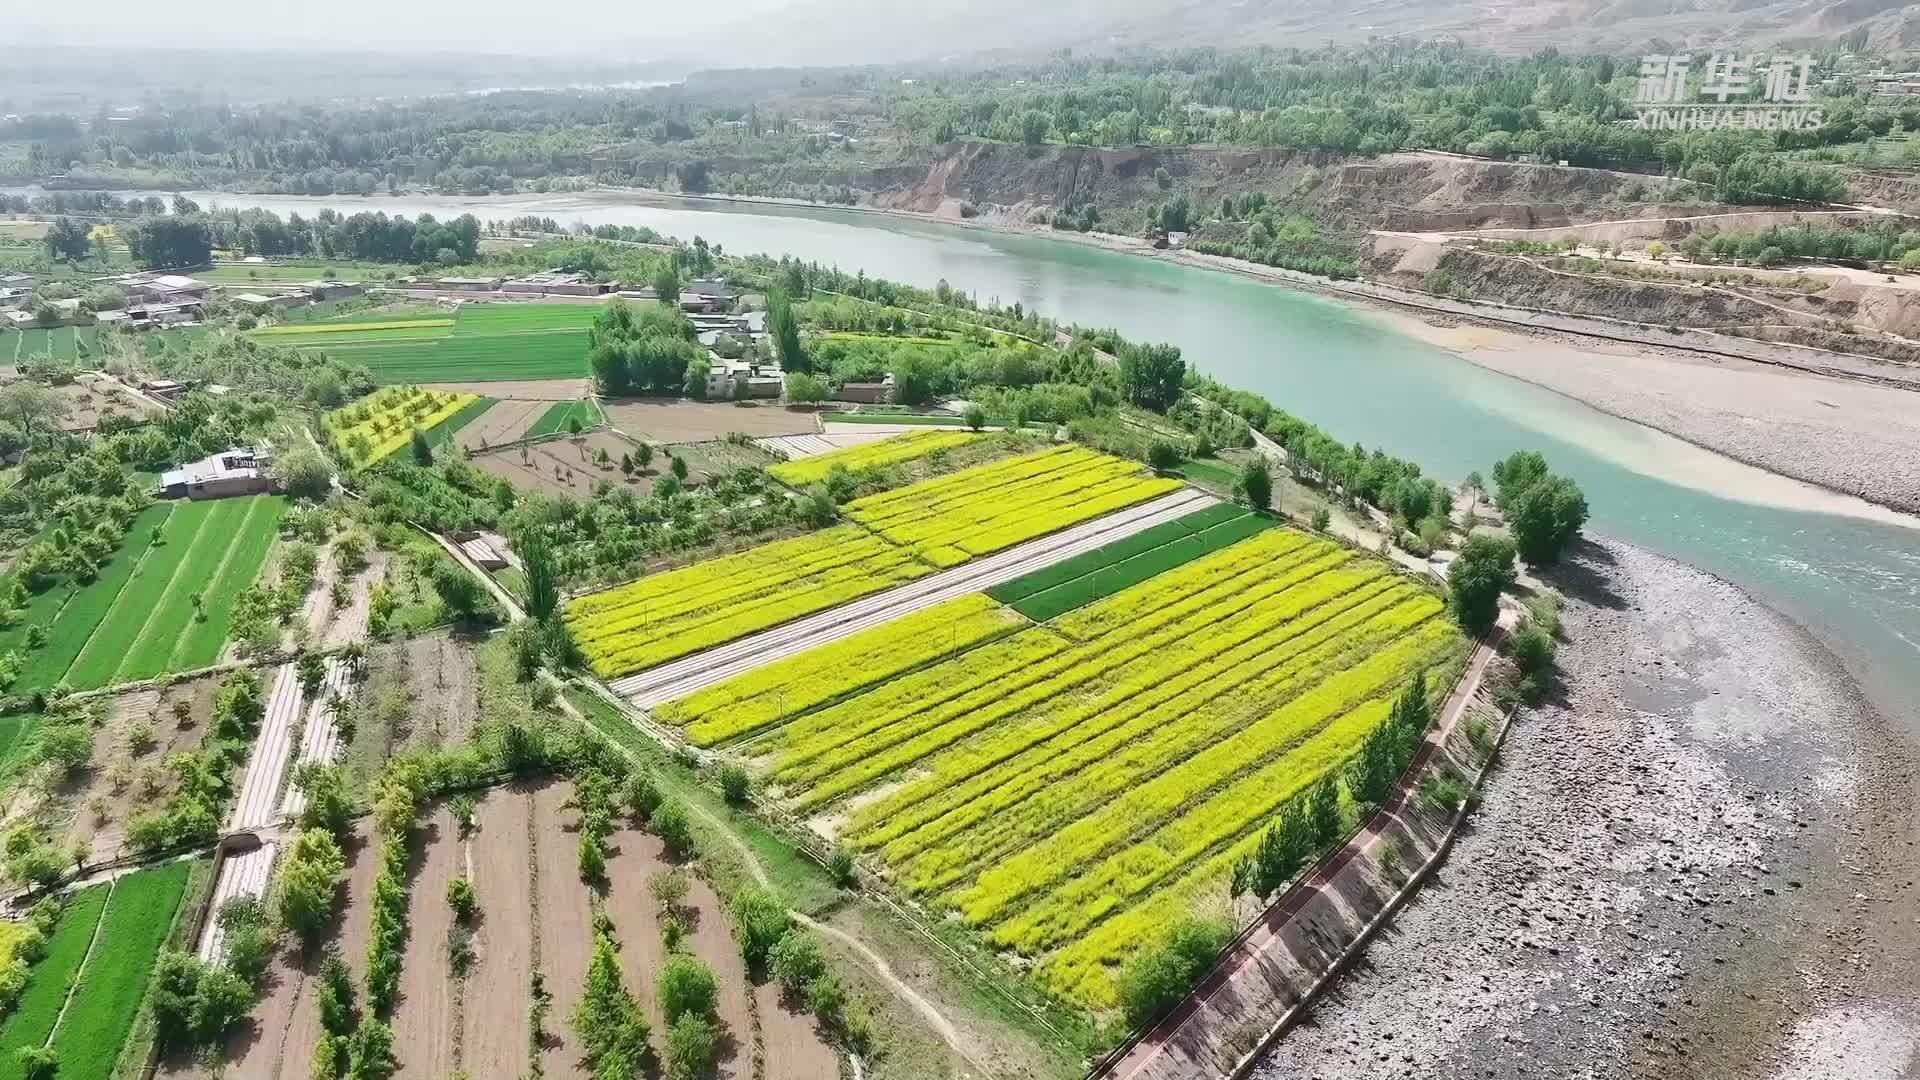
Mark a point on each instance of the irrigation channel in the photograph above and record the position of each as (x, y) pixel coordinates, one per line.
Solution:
(1848, 571)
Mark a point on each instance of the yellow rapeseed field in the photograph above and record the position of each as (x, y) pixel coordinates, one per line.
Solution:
(384, 421)
(909, 447)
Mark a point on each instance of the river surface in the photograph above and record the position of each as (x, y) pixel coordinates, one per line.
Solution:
(1848, 571)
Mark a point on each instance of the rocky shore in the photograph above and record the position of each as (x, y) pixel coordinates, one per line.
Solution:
(1696, 859)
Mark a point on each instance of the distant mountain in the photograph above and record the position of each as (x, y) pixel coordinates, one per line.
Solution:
(861, 31)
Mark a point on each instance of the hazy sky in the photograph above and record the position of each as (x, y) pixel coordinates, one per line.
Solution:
(644, 30)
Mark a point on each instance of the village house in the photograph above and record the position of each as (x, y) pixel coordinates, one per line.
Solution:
(329, 289)
(557, 283)
(469, 284)
(241, 470)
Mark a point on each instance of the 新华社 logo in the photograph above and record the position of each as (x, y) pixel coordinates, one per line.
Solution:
(1666, 96)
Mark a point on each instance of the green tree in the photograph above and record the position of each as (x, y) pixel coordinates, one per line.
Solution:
(760, 920)
(606, 1019)
(1545, 518)
(542, 575)
(735, 785)
(678, 467)
(805, 389)
(669, 822)
(797, 961)
(1256, 483)
(303, 473)
(976, 417)
(69, 238)
(422, 449)
(693, 1047)
(666, 285)
(1323, 810)
(784, 330)
(1151, 375)
(685, 985)
(1516, 473)
(305, 883)
(458, 590)
(1479, 574)
(329, 804)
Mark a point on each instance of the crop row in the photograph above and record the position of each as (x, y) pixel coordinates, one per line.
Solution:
(909, 447)
(1106, 555)
(912, 730)
(38, 1008)
(1127, 573)
(1167, 709)
(1089, 869)
(204, 636)
(472, 357)
(126, 621)
(771, 694)
(323, 329)
(718, 581)
(718, 608)
(499, 318)
(929, 497)
(139, 915)
(68, 633)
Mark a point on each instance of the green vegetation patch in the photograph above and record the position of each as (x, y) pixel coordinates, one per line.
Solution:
(68, 633)
(895, 418)
(554, 420)
(472, 358)
(1103, 581)
(199, 643)
(444, 431)
(107, 998)
(511, 318)
(132, 618)
(46, 993)
(1120, 550)
(16, 734)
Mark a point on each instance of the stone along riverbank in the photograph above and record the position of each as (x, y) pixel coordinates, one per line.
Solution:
(1696, 859)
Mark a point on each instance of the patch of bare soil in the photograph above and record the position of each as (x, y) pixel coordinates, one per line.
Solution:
(446, 703)
(499, 988)
(565, 921)
(568, 466)
(547, 390)
(638, 858)
(91, 399)
(795, 1050)
(504, 422)
(130, 775)
(347, 623)
(426, 1014)
(680, 421)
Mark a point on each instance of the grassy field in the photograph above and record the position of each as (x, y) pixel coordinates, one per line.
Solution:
(1101, 573)
(85, 607)
(1071, 788)
(59, 342)
(555, 419)
(46, 994)
(107, 997)
(485, 343)
(443, 432)
(16, 731)
(137, 619)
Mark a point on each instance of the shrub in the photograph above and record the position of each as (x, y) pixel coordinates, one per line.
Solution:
(1163, 455)
(842, 867)
(735, 784)
(462, 899)
(761, 920)
(1322, 519)
(796, 961)
(640, 794)
(685, 986)
(669, 822)
(693, 1045)
(1155, 979)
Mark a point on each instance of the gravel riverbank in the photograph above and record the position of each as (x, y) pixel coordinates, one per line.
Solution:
(1696, 859)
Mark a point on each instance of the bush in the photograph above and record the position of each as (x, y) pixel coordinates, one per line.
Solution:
(976, 417)
(796, 961)
(669, 822)
(462, 899)
(1479, 574)
(1322, 518)
(640, 794)
(1156, 979)
(735, 784)
(760, 920)
(841, 866)
(685, 987)
(693, 1045)
(1163, 455)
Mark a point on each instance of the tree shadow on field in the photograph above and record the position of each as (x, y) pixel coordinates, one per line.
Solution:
(1587, 575)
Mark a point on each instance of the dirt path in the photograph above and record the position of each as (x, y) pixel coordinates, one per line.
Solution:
(498, 987)
(566, 925)
(426, 1013)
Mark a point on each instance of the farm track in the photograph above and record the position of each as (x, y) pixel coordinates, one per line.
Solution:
(681, 677)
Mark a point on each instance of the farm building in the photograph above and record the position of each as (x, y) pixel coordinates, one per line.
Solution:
(267, 301)
(483, 554)
(14, 298)
(241, 470)
(557, 283)
(469, 284)
(164, 389)
(163, 288)
(328, 289)
(869, 393)
(166, 314)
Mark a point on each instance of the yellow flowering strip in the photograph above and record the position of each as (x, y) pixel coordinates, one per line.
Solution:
(996, 891)
(370, 429)
(905, 739)
(304, 329)
(929, 829)
(1083, 969)
(909, 447)
(655, 619)
(977, 511)
(771, 694)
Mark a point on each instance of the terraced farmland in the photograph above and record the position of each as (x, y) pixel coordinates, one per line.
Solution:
(896, 537)
(59, 343)
(482, 343)
(1072, 787)
(137, 618)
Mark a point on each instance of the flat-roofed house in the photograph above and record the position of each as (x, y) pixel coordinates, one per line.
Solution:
(241, 470)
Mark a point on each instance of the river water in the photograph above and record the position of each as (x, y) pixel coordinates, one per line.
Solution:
(1848, 571)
